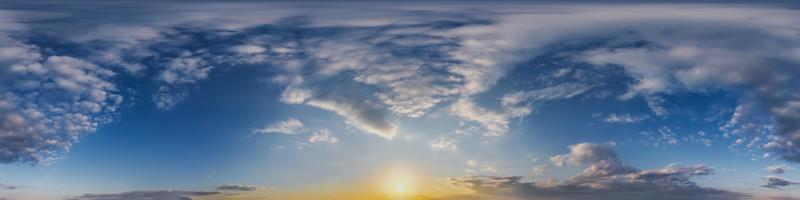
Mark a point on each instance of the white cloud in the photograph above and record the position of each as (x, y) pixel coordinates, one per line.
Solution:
(181, 71)
(496, 123)
(323, 136)
(624, 118)
(444, 143)
(295, 96)
(248, 49)
(514, 105)
(185, 70)
(409, 69)
(289, 126)
(539, 169)
(49, 104)
(363, 115)
(778, 169)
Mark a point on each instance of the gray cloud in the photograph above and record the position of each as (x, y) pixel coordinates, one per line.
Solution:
(139, 195)
(235, 187)
(605, 177)
(776, 182)
(8, 187)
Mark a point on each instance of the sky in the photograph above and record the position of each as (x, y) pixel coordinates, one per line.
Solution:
(423, 100)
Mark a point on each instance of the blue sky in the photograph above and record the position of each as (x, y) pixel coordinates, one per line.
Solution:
(310, 100)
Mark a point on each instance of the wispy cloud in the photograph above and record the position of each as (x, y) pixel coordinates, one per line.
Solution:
(289, 126)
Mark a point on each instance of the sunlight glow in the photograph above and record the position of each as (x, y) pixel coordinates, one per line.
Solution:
(400, 183)
(400, 187)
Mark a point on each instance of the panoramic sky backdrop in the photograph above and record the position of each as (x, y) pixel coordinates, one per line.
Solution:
(450, 100)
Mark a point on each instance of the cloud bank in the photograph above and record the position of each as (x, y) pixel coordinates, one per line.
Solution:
(605, 177)
(138, 195)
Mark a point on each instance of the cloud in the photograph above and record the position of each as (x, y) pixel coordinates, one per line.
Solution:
(371, 73)
(294, 126)
(366, 116)
(694, 60)
(776, 182)
(181, 71)
(137, 195)
(50, 103)
(323, 135)
(444, 143)
(778, 169)
(539, 169)
(601, 158)
(514, 105)
(289, 126)
(248, 49)
(8, 187)
(235, 187)
(605, 177)
(624, 118)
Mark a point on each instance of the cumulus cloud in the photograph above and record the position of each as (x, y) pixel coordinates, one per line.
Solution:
(137, 195)
(600, 158)
(605, 177)
(776, 182)
(289, 126)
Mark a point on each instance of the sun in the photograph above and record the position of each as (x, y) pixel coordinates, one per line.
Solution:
(400, 187)
(400, 183)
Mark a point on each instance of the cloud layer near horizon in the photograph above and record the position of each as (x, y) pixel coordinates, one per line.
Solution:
(605, 177)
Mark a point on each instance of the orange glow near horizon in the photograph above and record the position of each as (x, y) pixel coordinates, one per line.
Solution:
(389, 183)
